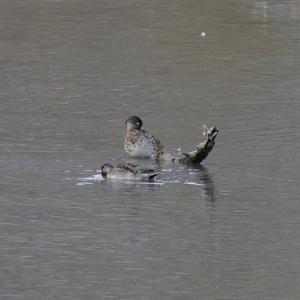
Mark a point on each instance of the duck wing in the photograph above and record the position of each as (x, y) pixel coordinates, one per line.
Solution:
(148, 174)
(129, 167)
(134, 171)
(153, 140)
(146, 171)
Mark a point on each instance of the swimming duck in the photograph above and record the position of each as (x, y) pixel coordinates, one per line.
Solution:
(127, 171)
(140, 143)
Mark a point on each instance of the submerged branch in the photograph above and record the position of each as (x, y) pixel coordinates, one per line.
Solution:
(202, 149)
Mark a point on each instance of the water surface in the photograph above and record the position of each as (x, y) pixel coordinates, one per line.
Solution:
(72, 72)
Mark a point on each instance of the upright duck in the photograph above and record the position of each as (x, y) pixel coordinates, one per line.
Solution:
(140, 143)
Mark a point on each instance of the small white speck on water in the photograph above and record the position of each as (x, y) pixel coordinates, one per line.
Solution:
(203, 34)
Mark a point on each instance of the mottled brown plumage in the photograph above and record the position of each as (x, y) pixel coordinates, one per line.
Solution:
(140, 143)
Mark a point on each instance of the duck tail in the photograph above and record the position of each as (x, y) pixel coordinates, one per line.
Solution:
(152, 176)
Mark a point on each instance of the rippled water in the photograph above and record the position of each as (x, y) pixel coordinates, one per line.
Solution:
(72, 72)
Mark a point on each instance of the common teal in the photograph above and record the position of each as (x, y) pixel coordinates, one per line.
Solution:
(140, 143)
(127, 171)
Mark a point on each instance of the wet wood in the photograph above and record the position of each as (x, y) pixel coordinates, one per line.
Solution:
(196, 156)
(202, 149)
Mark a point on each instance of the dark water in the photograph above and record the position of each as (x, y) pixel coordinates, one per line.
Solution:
(72, 72)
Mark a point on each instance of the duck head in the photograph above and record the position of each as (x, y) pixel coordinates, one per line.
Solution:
(133, 122)
(106, 169)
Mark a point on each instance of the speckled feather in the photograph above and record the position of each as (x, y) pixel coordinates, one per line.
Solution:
(141, 143)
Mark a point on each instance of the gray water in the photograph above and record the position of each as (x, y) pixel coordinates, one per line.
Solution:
(72, 71)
